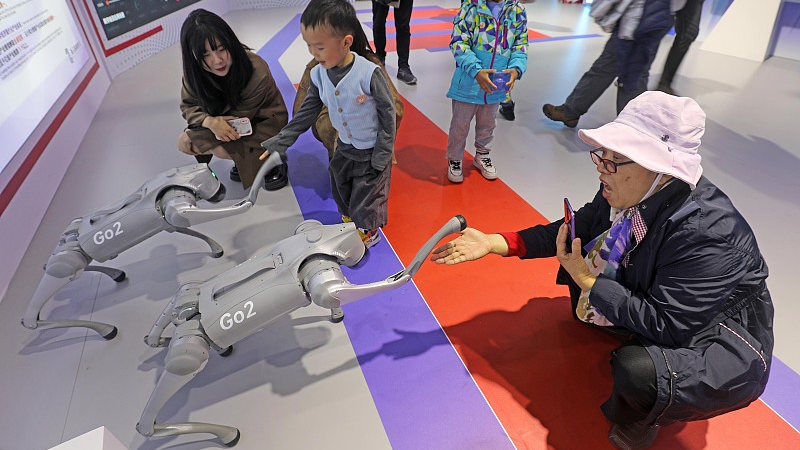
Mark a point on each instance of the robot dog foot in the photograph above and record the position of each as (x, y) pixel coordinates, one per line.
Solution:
(229, 436)
(106, 331)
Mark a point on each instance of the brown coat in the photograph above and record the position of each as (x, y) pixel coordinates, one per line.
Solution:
(322, 128)
(261, 102)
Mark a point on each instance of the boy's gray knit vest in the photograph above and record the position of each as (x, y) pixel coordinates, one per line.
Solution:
(350, 104)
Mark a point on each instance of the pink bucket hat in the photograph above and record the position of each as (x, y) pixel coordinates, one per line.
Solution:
(658, 131)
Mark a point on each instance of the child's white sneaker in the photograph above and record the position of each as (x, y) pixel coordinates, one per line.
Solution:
(483, 163)
(454, 172)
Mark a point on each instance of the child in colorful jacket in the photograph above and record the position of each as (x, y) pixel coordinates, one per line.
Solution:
(488, 36)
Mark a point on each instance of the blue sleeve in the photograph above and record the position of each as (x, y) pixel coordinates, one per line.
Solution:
(461, 41)
(519, 51)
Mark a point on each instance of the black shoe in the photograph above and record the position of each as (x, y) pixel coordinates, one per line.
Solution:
(382, 59)
(277, 178)
(203, 159)
(404, 74)
(559, 114)
(234, 175)
(507, 111)
(666, 89)
(632, 436)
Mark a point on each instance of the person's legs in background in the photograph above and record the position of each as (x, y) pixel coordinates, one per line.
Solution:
(402, 23)
(687, 27)
(379, 13)
(624, 95)
(627, 93)
(589, 88)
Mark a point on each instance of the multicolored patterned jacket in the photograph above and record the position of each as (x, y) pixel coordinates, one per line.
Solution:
(481, 42)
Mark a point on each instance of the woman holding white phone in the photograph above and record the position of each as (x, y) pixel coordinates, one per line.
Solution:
(229, 99)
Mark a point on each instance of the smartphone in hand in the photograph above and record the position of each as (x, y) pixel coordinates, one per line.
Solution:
(242, 126)
(569, 219)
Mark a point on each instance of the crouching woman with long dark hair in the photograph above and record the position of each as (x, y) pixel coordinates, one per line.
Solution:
(224, 80)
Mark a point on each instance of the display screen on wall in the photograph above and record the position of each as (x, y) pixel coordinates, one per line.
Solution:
(121, 16)
(41, 52)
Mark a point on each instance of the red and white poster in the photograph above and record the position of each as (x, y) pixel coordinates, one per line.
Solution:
(41, 52)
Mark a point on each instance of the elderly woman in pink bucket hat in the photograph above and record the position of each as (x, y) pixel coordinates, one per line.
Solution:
(662, 257)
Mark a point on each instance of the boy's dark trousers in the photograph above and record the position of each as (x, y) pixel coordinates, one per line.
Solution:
(360, 191)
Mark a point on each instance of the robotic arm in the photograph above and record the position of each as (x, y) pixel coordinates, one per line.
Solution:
(220, 312)
(166, 202)
(180, 209)
(328, 287)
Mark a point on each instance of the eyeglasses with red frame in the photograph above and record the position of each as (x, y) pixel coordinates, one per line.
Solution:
(609, 165)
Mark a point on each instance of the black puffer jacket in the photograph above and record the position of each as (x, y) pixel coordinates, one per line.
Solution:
(693, 292)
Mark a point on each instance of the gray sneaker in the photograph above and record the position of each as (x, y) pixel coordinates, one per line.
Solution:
(454, 172)
(483, 163)
(404, 74)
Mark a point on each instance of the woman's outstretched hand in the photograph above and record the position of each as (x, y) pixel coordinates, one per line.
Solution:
(469, 246)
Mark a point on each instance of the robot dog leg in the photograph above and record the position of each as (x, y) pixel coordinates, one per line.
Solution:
(166, 202)
(235, 304)
(66, 264)
(186, 357)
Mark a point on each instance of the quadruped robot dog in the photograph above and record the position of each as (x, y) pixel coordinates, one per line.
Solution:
(166, 202)
(220, 312)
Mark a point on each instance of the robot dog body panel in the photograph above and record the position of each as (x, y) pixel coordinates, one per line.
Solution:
(117, 232)
(108, 232)
(269, 285)
(119, 226)
(166, 202)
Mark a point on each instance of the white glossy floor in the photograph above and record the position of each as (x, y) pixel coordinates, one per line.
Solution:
(297, 385)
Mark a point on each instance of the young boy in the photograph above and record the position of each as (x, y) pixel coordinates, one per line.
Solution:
(488, 36)
(361, 108)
